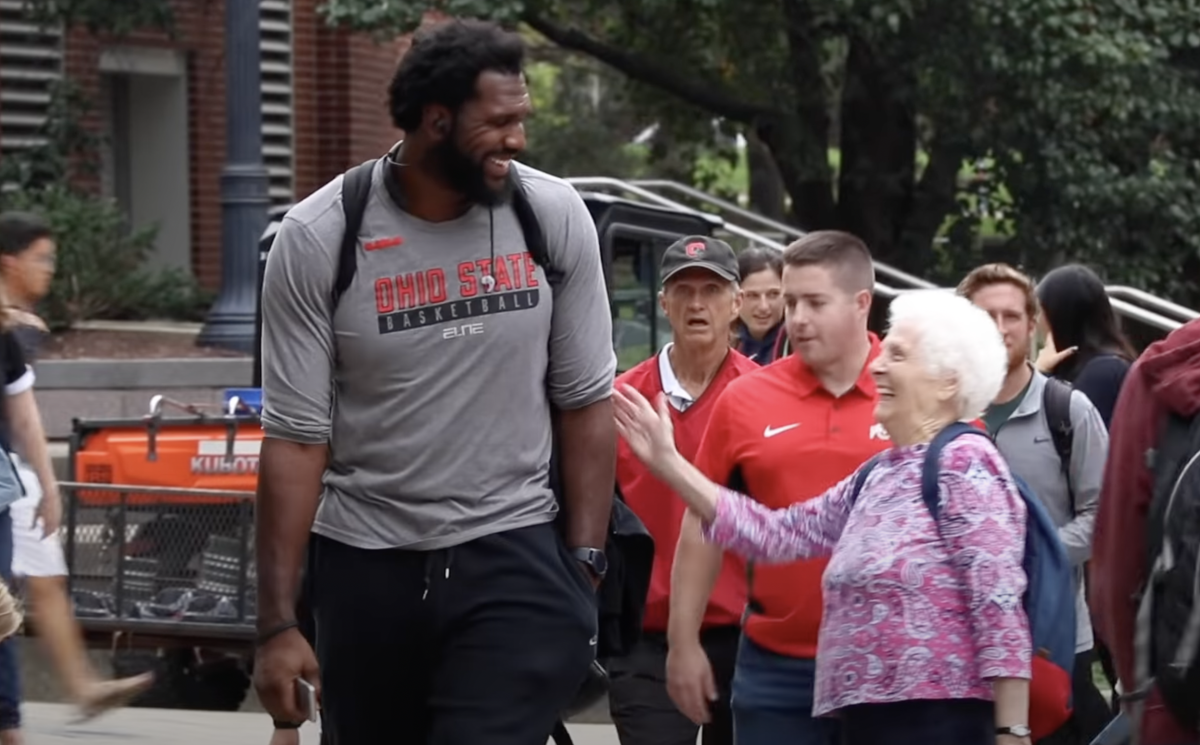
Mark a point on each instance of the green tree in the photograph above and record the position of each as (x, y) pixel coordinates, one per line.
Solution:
(584, 122)
(1082, 108)
(1077, 114)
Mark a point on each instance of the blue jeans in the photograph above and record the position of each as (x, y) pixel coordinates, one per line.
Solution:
(773, 698)
(10, 681)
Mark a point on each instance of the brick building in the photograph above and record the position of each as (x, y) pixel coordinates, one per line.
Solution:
(160, 103)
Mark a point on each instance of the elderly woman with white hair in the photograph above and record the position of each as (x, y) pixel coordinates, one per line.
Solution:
(924, 639)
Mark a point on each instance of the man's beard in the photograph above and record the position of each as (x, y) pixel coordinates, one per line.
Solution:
(1018, 357)
(465, 176)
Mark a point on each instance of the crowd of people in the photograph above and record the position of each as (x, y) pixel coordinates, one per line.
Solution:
(936, 536)
(931, 537)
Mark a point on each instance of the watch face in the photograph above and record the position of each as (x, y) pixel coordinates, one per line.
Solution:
(599, 562)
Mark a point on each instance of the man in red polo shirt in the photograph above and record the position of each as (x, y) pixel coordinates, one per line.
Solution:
(700, 299)
(783, 435)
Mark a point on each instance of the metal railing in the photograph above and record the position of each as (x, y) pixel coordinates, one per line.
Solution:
(1130, 303)
(160, 556)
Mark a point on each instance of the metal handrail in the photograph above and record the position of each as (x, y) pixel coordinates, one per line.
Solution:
(694, 193)
(1128, 302)
(157, 490)
(612, 183)
(890, 272)
(1148, 317)
(1121, 292)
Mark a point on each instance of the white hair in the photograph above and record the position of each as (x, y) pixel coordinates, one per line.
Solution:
(955, 338)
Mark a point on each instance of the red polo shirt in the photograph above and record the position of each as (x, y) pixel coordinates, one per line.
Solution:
(661, 510)
(789, 440)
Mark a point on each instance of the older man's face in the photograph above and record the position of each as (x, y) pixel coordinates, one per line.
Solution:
(700, 307)
(1005, 303)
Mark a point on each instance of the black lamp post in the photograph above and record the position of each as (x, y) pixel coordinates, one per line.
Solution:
(244, 182)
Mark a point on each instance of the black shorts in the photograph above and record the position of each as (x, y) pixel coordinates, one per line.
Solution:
(486, 642)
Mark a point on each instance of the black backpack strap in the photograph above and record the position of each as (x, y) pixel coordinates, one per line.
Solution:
(535, 239)
(1178, 438)
(860, 477)
(1056, 401)
(560, 735)
(356, 188)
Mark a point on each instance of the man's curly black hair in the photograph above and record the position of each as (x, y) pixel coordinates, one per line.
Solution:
(444, 63)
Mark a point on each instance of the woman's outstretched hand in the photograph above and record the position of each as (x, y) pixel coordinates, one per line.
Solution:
(651, 436)
(646, 428)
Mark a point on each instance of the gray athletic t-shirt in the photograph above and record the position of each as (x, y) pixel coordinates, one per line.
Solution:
(431, 391)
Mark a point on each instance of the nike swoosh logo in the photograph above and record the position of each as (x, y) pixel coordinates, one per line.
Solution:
(769, 432)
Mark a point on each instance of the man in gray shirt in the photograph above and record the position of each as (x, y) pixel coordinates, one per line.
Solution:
(1068, 485)
(408, 426)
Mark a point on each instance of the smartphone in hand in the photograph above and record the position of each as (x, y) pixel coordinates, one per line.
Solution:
(306, 698)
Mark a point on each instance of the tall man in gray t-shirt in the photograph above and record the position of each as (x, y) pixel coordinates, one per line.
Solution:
(409, 428)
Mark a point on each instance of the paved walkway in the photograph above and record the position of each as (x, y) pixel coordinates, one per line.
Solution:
(49, 724)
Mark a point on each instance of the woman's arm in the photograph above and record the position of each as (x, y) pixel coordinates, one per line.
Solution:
(746, 527)
(29, 440)
(810, 528)
(1011, 697)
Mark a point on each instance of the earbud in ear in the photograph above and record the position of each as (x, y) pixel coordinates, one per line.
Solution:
(441, 126)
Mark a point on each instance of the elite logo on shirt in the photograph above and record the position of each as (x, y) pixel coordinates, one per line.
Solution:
(382, 243)
(418, 299)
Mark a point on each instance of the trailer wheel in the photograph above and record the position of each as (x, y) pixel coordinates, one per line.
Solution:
(183, 682)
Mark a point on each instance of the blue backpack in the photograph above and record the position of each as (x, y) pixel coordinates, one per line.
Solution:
(1049, 599)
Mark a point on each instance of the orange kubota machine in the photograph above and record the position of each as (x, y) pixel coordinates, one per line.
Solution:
(160, 545)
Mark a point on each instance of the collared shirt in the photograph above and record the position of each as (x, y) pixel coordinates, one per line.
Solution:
(677, 395)
(780, 436)
(661, 510)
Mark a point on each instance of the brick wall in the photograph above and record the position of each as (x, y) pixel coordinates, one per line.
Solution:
(340, 83)
(195, 21)
(351, 122)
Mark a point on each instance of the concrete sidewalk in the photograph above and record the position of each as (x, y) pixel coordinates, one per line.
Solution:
(49, 724)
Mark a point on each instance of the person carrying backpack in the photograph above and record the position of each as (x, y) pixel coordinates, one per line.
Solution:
(1053, 439)
(1147, 538)
(947, 594)
(415, 388)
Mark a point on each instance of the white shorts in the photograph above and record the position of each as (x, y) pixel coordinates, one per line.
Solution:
(33, 555)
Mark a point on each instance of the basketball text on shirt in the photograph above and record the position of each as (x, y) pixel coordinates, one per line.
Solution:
(418, 299)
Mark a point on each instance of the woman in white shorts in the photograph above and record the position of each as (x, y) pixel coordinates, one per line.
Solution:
(27, 263)
(40, 567)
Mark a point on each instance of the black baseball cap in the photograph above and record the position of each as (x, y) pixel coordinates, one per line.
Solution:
(700, 251)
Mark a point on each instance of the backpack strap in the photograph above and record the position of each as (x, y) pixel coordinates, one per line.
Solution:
(860, 477)
(356, 189)
(931, 469)
(1056, 401)
(1177, 438)
(535, 239)
(560, 735)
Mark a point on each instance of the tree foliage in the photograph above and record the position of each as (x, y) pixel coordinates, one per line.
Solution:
(115, 17)
(1081, 111)
(1077, 116)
